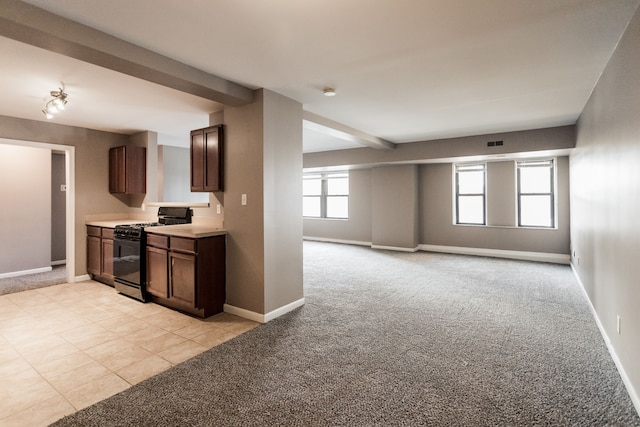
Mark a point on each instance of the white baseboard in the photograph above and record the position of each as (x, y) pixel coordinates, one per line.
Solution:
(263, 318)
(283, 310)
(59, 262)
(633, 394)
(246, 314)
(395, 248)
(499, 253)
(358, 243)
(25, 272)
(82, 278)
(494, 253)
(329, 240)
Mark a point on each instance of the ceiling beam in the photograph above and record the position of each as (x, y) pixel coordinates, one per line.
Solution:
(323, 125)
(35, 26)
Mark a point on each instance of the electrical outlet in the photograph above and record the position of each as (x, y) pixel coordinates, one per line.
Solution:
(244, 200)
(618, 324)
(218, 208)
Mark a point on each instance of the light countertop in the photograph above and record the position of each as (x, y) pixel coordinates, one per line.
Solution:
(111, 223)
(193, 231)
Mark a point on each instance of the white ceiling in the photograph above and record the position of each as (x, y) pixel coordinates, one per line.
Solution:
(407, 70)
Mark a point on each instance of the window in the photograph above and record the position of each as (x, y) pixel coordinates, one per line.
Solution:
(470, 194)
(536, 193)
(326, 195)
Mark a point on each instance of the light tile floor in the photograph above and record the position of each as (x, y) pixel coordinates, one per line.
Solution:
(65, 347)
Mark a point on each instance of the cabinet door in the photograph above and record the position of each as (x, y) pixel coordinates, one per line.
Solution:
(157, 277)
(136, 170)
(107, 258)
(197, 160)
(94, 257)
(128, 170)
(117, 170)
(213, 163)
(182, 278)
(207, 159)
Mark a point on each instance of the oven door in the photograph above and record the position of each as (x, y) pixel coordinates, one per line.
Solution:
(126, 261)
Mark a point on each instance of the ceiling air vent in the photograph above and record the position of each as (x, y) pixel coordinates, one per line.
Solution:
(495, 143)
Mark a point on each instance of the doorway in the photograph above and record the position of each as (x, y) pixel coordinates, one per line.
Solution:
(69, 166)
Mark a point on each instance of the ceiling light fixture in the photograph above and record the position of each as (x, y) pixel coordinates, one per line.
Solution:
(57, 103)
(329, 91)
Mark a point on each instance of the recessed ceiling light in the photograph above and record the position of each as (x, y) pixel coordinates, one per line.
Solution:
(328, 91)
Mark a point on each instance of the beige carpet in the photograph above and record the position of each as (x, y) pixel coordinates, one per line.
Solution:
(56, 276)
(390, 339)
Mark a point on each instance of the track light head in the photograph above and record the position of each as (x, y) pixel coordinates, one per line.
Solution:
(57, 103)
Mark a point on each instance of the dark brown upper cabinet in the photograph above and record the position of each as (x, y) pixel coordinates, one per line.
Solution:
(128, 170)
(207, 159)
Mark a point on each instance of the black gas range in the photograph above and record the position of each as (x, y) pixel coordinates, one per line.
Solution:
(129, 260)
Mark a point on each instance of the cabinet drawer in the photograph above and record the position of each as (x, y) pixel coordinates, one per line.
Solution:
(107, 233)
(158, 240)
(183, 244)
(93, 231)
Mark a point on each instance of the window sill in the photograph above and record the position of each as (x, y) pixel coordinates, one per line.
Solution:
(507, 226)
(324, 219)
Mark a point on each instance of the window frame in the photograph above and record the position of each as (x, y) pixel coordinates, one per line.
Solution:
(325, 177)
(553, 210)
(469, 167)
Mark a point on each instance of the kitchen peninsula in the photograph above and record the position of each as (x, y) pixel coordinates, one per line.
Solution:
(180, 266)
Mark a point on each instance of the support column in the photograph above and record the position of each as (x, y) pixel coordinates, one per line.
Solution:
(263, 160)
(394, 206)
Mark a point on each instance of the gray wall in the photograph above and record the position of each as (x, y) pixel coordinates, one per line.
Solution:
(282, 198)
(25, 211)
(244, 175)
(437, 228)
(605, 200)
(356, 229)
(58, 209)
(501, 200)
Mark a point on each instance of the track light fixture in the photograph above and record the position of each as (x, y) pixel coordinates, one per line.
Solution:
(56, 103)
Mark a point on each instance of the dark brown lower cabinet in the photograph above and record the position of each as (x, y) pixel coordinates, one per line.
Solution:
(100, 254)
(157, 283)
(182, 278)
(187, 274)
(107, 258)
(94, 255)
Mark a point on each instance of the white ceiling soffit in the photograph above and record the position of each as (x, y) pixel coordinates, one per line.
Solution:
(404, 71)
(329, 135)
